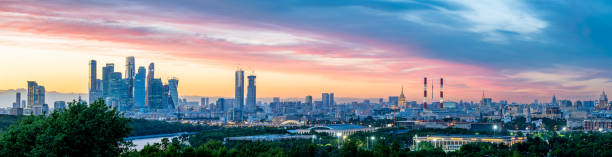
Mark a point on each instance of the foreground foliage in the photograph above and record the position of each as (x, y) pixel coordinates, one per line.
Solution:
(80, 130)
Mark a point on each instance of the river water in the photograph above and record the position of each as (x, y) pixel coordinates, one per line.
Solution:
(141, 141)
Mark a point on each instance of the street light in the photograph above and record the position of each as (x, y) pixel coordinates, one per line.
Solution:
(339, 134)
(494, 129)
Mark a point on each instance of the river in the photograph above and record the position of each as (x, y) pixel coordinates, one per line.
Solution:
(141, 141)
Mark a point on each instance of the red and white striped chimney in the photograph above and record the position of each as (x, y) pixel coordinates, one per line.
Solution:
(425, 94)
(441, 92)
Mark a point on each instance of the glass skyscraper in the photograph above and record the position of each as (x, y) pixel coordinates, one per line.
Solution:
(94, 91)
(36, 96)
(139, 87)
(251, 94)
(150, 77)
(173, 91)
(106, 79)
(155, 94)
(130, 72)
(239, 97)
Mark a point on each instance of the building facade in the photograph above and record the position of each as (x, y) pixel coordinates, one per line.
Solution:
(450, 143)
(251, 100)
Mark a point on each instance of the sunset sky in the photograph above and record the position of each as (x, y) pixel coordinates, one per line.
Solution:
(513, 50)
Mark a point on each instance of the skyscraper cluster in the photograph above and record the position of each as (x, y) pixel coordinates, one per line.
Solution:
(132, 90)
(36, 98)
(238, 107)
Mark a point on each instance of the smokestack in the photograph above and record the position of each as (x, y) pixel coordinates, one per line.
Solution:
(441, 93)
(425, 94)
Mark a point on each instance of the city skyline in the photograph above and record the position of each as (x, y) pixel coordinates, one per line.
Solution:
(521, 56)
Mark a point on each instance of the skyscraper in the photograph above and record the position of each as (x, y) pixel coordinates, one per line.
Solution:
(150, 77)
(106, 79)
(117, 90)
(130, 72)
(17, 100)
(173, 92)
(36, 95)
(402, 99)
(94, 91)
(204, 103)
(166, 102)
(603, 101)
(325, 99)
(251, 94)
(308, 103)
(139, 87)
(331, 100)
(155, 94)
(239, 92)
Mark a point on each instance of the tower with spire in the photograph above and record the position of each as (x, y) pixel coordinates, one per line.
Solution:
(402, 99)
(603, 101)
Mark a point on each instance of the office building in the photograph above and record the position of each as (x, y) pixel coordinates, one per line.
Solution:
(308, 104)
(130, 73)
(94, 87)
(239, 92)
(155, 94)
(325, 99)
(140, 87)
(166, 102)
(251, 94)
(36, 97)
(204, 103)
(106, 79)
(331, 100)
(59, 105)
(150, 77)
(173, 92)
(393, 100)
(16, 109)
(36, 94)
(17, 100)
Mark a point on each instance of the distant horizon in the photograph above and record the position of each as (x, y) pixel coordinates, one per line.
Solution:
(316, 97)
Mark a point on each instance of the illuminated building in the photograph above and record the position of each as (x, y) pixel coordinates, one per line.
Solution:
(450, 143)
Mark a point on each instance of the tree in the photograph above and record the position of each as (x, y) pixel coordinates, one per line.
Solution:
(425, 145)
(81, 130)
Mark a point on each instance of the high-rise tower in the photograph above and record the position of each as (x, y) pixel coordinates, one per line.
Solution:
(603, 101)
(173, 92)
(325, 100)
(36, 94)
(140, 87)
(251, 94)
(106, 79)
(239, 90)
(402, 99)
(150, 77)
(331, 100)
(130, 72)
(17, 100)
(94, 91)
